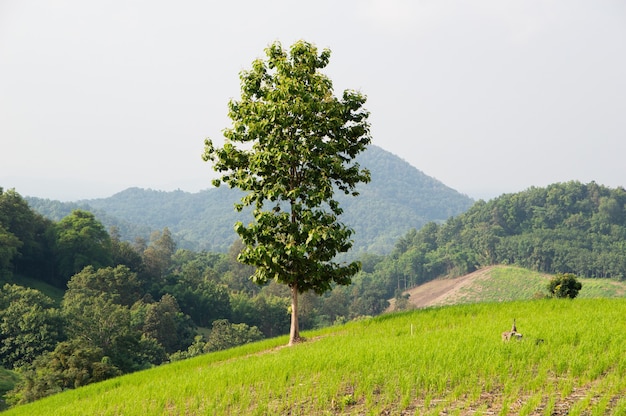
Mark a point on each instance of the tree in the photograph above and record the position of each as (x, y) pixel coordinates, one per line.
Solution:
(203, 300)
(81, 241)
(123, 252)
(564, 286)
(226, 335)
(72, 364)
(157, 257)
(9, 248)
(165, 323)
(25, 238)
(29, 325)
(298, 144)
(95, 320)
(96, 310)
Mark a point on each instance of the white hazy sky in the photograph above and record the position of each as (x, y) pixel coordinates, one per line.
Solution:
(488, 96)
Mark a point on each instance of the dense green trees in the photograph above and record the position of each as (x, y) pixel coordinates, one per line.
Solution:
(141, 309)
(26, 238)
(69, 366)
(563, 228)
(29, 325)
(164, 322)
(297, 144)
(9, 249)
(157, 257)
(81, 240)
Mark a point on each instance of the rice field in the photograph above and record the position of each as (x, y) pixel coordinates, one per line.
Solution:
(448, 360)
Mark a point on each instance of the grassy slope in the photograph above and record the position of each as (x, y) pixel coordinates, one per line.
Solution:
(430, 361)
(505, 283)
(499, 284)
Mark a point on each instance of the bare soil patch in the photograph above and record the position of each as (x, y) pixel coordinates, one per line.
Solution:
(442, 291)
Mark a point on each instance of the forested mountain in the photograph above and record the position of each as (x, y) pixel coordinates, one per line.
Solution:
(563, 228)
(399, 198)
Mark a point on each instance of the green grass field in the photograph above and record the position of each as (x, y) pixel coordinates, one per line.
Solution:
(510, 283)
(448, 360)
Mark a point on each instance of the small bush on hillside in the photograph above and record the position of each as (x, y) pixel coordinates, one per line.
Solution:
(564, 286)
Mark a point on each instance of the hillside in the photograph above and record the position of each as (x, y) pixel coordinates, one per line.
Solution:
(563, 228)
(399, 198)
(432, 361)
(500, 284)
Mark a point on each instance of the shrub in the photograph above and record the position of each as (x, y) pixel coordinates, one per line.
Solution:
(564, 286)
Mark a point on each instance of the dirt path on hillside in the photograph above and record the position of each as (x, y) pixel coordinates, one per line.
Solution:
(441, 291)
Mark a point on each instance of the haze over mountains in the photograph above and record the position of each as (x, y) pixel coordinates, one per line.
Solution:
(398, 198)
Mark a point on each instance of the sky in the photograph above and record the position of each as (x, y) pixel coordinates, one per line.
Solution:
(487, 96)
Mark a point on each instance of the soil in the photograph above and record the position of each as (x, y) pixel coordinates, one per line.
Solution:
(441, 291)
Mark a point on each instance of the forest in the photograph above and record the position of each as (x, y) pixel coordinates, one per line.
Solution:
(130, 305)
(127, 305)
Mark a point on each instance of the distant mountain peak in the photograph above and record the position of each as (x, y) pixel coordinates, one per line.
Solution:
(399, 197)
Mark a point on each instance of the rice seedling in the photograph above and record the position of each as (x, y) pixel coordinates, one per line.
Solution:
(446, 359)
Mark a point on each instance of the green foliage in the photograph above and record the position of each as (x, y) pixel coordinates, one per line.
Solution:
(96, 320)
(118, 283)
(226, 335)
(25, 238)
(81, 241)
(123, 252)
(268, 312)
(303, 144)
(98, 315)
(564, 286)
(157, 257)
(70, 365)
(53, 292)
(164, 322)
(29, 325)
(8, 380)
(563, 228)
(203, 300)
(440, 360)
(9, 248)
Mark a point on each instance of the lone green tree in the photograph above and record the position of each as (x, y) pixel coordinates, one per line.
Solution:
(291, 146)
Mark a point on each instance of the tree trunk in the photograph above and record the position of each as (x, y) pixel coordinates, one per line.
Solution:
(294, 334)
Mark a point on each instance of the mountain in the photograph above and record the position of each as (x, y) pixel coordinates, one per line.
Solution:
(398, 199)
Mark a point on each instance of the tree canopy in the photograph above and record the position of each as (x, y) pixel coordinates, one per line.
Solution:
(81, 241)
(291, 146)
